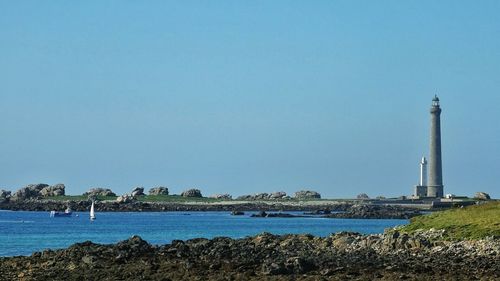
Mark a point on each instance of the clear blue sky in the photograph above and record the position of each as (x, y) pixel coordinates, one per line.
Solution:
(248, 96)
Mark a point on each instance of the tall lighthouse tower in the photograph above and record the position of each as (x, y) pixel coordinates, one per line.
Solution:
(435, 182)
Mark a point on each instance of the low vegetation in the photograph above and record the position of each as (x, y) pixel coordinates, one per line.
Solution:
(473, 222)
(176, 198)
(80, 198)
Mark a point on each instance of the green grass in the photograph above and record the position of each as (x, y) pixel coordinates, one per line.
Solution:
(473, 222)
(80, 198)
(176, 199)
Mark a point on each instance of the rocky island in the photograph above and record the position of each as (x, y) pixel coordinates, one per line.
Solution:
(44, 197)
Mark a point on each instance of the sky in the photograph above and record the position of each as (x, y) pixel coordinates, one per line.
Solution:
(243, 97)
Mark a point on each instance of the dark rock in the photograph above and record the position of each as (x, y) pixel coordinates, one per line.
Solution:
(273, 268)
(191, 193)
(319, 212)
(342, 256)
(260, 214)
(137, 191)
(367, 211)
(4, 195)
(263, 214)
(237, 213)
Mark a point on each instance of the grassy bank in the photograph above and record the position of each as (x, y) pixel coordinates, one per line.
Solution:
(79, 198)
(473, 222)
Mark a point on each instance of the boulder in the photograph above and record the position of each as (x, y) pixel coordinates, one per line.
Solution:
(363, 196)
(307, 194)
(482, 196)
(53, 190)
(99, 191)
(277, 195)
(125, 198)
(191, 193)
(29, 191)
(138, 191)
(221, 196)
(4, 195)
(160, 190)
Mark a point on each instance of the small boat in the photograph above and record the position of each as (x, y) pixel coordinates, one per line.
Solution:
(92, 213)
(66, 213)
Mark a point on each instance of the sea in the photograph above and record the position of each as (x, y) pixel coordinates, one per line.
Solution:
(23, 232)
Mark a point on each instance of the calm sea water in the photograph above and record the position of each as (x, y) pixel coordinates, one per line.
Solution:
(22, 233)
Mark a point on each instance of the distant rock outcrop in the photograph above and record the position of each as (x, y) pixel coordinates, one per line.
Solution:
(363, 196)
(28, 192)
(99, 191)
(307, 194)
(160, 190)
(4, 195)
(53, 190)
(263, 214)
(262, 196)
(191, 193)
(482, 196)
(138, 191)
(221, 196)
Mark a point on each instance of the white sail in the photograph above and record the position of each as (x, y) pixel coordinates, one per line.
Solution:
(92, 214)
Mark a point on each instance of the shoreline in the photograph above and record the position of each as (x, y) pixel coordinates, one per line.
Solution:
(389, 256)
(315, 208)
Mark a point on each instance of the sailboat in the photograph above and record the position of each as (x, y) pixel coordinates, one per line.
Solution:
(92, 213)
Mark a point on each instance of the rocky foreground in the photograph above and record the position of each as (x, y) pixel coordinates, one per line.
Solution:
(341, 256)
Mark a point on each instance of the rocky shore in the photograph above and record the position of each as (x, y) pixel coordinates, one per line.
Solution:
(341, 256)
(344, 210)
(139, 206)
(376, 212)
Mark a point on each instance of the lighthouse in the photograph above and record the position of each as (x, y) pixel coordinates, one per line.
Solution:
(420, 190)
(423, 172)
(435, 183)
